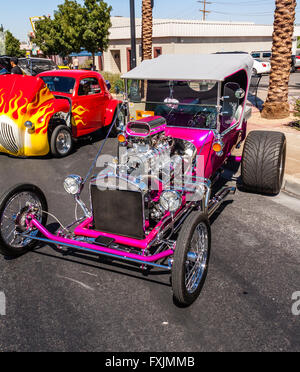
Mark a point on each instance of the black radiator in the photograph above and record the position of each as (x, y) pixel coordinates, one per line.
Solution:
(119, 212)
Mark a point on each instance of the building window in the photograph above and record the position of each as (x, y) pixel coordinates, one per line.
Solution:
(157, 51)
(267, 55)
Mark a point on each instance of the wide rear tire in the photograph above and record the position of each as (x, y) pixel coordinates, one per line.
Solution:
(14, 205)
(263, 162)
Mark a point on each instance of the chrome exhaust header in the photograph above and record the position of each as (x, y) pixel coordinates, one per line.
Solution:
(219, 198)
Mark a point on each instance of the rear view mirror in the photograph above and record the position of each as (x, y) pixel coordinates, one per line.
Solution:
(240, 93)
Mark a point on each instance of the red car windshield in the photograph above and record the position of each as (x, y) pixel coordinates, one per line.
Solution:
(59, 84)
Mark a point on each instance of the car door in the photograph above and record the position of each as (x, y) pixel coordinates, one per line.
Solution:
(88, 106)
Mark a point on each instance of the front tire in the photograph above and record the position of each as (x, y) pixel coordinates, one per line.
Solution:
(15, 205)
(61, 142)
(191, 258)
(263, 162)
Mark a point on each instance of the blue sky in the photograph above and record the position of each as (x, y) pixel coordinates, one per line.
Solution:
(15, 14)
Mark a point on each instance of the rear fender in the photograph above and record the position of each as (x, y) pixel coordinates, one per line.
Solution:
(110, 111)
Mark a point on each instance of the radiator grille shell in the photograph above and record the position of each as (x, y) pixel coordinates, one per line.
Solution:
(9, 136)
(118, 212)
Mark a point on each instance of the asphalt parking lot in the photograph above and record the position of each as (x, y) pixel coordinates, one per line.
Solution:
(68, 303)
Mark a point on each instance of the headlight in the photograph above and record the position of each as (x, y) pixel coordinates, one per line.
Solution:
(170, 201)
(73, 184)
(199, 193)
(29, 125)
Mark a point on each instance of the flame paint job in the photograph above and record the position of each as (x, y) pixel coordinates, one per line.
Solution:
(24, 98)
(27, 98)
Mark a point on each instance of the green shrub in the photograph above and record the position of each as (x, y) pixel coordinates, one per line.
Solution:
(115, 81)
(296, 124)
(297, 108)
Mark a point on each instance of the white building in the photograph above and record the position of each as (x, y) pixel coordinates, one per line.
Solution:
(172, 36)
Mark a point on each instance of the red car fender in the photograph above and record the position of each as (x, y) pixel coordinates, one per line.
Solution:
(61, 105)
(110, 111)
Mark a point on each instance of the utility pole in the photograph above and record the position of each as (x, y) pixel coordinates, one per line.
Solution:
(204, 11)
(133, 35)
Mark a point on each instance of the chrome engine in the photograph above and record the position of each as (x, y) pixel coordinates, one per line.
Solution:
(155, 154)
(150, 164)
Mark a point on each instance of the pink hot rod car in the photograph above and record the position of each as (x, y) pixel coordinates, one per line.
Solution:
(151, 205)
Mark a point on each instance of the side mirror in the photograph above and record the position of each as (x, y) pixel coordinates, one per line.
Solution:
(240, 93)
(108, 84)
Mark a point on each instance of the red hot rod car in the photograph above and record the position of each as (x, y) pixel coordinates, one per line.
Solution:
(44, 114)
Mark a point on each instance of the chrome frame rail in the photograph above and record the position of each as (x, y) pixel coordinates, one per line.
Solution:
(77, 247)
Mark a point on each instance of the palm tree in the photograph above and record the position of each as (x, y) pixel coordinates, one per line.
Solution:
(276, 105)
(147, 29)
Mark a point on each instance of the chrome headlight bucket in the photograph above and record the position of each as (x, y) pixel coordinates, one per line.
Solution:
(200, 191)
(170, 200)
(29, 125)
(73, 184)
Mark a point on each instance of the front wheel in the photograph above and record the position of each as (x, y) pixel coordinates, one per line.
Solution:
(191, 257)
(61, 142)
(15, 205)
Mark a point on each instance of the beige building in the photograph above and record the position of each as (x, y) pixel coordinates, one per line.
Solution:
(172, 36)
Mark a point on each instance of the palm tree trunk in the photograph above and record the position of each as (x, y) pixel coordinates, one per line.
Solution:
(277, 105)
(147, 29)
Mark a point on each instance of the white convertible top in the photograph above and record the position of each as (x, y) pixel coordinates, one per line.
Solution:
(182, 67)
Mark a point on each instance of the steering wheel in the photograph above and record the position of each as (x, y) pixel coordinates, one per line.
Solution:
(198, 118)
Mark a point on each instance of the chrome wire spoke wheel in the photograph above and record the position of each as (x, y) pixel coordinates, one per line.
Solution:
(196, 258)
(191, 258)
(63, 142)
(13, 220)
(15, 206)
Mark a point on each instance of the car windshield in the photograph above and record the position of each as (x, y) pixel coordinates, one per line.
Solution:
(181, 103)
(60, 84)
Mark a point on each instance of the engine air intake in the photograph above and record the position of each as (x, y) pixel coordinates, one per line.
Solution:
(146, 126)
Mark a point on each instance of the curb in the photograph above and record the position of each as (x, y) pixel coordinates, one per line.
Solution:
(292, 185)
